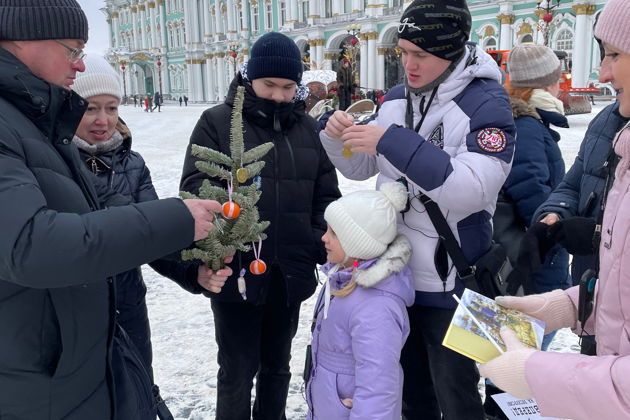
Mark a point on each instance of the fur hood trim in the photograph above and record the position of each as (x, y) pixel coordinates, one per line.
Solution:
(520, 108)
(391, 262)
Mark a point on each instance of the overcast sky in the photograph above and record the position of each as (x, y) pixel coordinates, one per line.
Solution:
(98, 42)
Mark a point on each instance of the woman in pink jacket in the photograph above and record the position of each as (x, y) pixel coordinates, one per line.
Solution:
(572, 385)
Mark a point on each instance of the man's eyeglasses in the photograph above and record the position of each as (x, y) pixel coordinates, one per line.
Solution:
(74, 54)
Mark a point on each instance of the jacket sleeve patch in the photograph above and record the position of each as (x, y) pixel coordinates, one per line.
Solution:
(492, 140)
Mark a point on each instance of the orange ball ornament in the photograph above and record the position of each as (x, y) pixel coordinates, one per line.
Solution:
(257, 267)
(231, 210)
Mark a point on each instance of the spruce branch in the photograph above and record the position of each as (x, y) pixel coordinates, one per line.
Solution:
(211, 155)
(256, 153)
(229, 235)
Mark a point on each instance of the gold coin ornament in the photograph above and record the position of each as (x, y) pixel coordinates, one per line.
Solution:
(241, 175)
(347, 152)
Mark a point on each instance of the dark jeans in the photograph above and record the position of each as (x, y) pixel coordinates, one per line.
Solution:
(255, 340)
(439, 383)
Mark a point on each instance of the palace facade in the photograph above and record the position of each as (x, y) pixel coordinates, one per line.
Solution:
(194, 47)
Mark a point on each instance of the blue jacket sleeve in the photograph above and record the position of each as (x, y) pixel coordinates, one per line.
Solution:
(528, 183)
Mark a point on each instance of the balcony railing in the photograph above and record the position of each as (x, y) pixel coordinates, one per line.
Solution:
(339, 19)
(396, 10)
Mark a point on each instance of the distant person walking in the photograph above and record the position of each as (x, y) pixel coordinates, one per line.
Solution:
(185, 100)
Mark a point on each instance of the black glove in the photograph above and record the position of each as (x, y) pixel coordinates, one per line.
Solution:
(535, 245)
(575, 234)
(533, 249)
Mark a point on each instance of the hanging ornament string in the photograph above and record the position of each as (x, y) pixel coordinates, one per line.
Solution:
(257, 266)
(231, 210)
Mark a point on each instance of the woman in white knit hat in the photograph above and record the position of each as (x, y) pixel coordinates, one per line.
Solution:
(573, 385)
(358, 335)
(104, 143)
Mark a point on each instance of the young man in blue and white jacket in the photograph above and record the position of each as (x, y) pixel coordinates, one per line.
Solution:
(449, 133)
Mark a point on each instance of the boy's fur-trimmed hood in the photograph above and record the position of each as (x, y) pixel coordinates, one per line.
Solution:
(391, 262)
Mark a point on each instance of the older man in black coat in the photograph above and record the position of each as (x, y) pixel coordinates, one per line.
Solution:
(63, 234)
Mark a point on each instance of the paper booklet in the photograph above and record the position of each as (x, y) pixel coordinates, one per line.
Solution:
(474, 330)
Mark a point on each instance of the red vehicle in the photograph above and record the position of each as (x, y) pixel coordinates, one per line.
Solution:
(575, 100)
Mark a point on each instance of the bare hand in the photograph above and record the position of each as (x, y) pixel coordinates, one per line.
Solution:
(550, 219)
(363, 138)
(338, 122)
(202, 212)
(213, 281)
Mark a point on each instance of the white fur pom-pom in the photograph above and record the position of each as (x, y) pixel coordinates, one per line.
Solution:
(396, 193)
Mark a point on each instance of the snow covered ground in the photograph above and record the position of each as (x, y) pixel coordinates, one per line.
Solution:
(182, 325)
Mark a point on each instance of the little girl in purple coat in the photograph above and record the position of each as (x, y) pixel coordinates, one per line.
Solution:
(361, 322)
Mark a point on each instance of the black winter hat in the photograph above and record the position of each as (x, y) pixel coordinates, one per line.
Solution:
(275, 55)
(33, 20)
(439, 27)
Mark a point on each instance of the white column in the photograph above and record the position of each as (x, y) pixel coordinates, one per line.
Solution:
(363, 73)
(218, 19)
(357, 6)
(337, 7)
(320, 55)
(210, 75)
(116, 27)
(380, 68)
(155, 40)
(582, 44)
(313, 8)
(246, 17)
(231, 28)
(371, 81)
(110, 28)
(221, 89)
(143, 26)
(375, 8)
(163, 30)
(135, 42)
(190, 88)
(505, 41)
(197, 80)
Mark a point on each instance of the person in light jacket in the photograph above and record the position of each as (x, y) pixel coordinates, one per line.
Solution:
(577, 386)
(358, 335)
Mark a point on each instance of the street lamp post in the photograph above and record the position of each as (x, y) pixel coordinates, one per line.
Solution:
(123, 67)
(353, 49)
(233, 47)
(158, 62)
(545, 10)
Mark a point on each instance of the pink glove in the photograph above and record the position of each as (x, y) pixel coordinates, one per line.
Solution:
(508, 370)
(554, 308)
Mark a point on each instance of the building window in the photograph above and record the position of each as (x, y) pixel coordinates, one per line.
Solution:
(268, 16)
(564, 42)
(489, 44)
(527, 38)
(328, 8)
(396, 3)
(283, 12)
(255, 18)
(304, 10)
(241, 19)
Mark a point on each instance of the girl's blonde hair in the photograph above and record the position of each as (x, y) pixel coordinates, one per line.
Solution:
(348, 288)
(345, 290)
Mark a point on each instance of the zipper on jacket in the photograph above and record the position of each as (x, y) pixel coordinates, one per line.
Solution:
(276, 180)
(286, 140)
